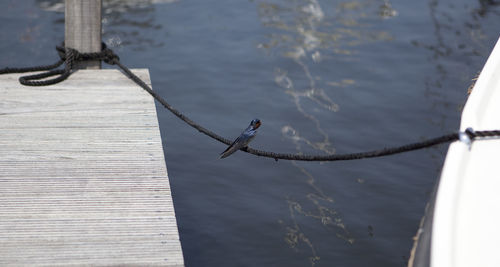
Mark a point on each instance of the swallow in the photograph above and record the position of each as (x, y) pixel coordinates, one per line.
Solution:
(242, 141)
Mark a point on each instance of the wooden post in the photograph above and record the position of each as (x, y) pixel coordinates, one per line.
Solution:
(83, 29)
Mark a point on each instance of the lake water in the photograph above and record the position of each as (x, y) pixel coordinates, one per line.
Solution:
(323, 77)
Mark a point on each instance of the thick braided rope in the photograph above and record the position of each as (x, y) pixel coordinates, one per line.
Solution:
(69, 56)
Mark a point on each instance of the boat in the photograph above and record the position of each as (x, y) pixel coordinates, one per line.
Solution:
(461, 227)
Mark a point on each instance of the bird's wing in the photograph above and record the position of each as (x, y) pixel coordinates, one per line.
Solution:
(237, 144)
(240, 142)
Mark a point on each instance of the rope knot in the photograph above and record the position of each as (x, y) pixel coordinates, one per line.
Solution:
(467, 136)
(67, 53)
(68, 56)
(470, 133)
(109, 56)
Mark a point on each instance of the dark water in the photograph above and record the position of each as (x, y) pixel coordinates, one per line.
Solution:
(323, 77)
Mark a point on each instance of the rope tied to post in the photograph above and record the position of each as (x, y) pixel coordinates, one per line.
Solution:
(69, 56)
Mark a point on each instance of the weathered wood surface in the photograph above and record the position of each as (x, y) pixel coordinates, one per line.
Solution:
(82, 29)
(83, 179)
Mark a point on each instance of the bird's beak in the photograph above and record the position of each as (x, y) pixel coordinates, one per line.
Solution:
(257, 125)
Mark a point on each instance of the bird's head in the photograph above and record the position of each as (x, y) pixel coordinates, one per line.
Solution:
(255, 123)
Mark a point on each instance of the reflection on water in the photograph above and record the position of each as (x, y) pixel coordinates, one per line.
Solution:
(486, 6)
(328, 217)
(108, 6)
(453, 44)
(123, 22)
(386, 10)
(301, 32)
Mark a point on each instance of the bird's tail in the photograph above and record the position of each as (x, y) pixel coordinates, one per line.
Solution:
(224, 154)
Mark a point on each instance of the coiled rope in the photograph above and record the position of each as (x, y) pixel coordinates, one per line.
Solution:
(69, 56)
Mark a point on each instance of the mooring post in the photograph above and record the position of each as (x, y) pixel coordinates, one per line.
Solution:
(83, 29)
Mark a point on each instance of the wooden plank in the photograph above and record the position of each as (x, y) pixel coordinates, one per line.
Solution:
(83, 179)
(82, 29)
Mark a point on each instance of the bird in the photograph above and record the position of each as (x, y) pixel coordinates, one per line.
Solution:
(242, 141)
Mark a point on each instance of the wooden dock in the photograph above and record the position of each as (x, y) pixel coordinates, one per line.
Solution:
(83, 179)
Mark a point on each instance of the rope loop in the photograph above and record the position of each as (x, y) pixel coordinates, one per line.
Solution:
(69, 57)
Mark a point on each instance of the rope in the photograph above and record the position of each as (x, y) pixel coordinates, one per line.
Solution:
(68, 56)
